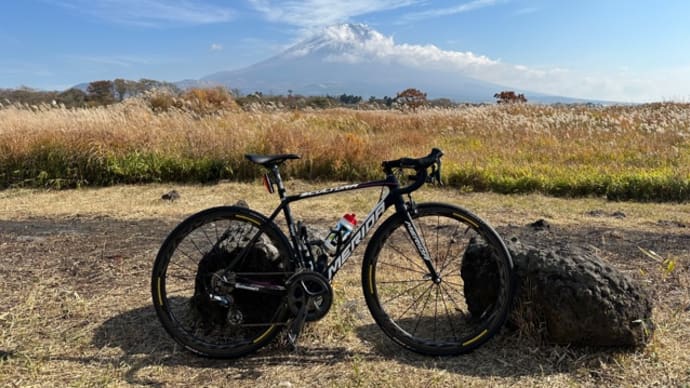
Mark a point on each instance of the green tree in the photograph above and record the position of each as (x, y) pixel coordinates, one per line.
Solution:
(349, 99)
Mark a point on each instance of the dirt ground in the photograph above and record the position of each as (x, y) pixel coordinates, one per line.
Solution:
(75, 307)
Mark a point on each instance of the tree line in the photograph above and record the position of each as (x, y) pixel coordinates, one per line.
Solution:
(96, 93)
(166, 95)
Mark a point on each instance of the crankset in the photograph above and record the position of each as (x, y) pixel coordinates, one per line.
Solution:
(309, 298)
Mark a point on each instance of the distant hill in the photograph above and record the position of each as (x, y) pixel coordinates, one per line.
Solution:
(355, 59)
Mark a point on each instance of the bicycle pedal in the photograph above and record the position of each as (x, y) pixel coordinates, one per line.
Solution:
(297, 324)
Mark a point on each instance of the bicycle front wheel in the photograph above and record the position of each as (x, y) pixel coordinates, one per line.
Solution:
(218, 282)
(447, 316)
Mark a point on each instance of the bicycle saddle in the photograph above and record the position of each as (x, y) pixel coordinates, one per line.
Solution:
(269, 160)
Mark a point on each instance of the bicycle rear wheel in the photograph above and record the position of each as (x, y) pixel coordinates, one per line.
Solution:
(203, 278)
(445, 317)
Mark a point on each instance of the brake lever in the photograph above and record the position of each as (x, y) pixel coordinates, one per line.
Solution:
(435, 176)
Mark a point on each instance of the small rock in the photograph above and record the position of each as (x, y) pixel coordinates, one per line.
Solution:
(596, 213)
(540, 224)
(618, 214)
(171, 195)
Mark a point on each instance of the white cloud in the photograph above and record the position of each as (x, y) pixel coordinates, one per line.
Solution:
(216, 47)
(368, 45)
(624, 86)
(315, 13)
(151, 13)
(362, 45)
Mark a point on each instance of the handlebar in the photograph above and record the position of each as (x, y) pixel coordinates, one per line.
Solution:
(421, 166)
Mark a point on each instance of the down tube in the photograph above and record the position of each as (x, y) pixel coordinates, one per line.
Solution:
(356, 238)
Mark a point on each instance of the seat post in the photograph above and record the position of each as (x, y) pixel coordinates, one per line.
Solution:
(279, 180)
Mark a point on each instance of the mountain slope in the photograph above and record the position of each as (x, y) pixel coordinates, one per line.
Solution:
(355, 59)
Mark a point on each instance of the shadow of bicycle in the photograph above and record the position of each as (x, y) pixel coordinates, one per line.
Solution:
(144, 342)
(505, 355)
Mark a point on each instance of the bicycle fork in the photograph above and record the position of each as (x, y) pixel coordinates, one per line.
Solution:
(418, 241)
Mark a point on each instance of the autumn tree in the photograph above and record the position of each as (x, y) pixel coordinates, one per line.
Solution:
(411, 99)
(72, 98)
(509, 97)
(122, 88)
(101, 92)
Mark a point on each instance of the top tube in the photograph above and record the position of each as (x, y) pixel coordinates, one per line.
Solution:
(420, 165)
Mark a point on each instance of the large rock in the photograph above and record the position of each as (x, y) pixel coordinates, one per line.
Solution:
(567, 293)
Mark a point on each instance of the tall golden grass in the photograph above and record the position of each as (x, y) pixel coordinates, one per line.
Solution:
(623, 152)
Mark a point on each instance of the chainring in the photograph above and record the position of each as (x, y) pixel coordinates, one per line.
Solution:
(304, 284)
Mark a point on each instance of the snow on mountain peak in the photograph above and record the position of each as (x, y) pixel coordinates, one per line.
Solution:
(351, 33)
(341, 39)
(358, 43)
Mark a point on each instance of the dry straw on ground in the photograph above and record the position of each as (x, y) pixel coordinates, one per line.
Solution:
(75, 308)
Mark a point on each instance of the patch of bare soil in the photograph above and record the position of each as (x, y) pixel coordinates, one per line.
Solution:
(75, 307)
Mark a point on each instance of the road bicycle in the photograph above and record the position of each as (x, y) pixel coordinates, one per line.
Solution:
(228, 280)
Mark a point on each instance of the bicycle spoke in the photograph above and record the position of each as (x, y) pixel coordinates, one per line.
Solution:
(404, 268)
(394, 297)
(448, 314)
(402, 281)
(414, 303)
(176, 264)
(410, 260)
(203, 253)
(458, 285)
(450, 296)
(450, 247)
(435, 312)
(210, 241)
(420, 315)
(183, 253)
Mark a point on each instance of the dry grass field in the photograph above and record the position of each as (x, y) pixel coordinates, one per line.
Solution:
(75, 307)
(622, 152)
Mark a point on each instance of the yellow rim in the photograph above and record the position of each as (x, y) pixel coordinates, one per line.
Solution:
(262, 336)
(248, 219)
(371, 279)
(466, 220)
(475, 338)
(160, 297)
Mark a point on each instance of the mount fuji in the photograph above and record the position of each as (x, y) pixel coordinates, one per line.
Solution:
(356, 59)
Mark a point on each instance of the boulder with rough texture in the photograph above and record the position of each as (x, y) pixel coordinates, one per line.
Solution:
(566, 292)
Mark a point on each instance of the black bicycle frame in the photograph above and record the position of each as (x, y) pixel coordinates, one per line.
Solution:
(394, 197)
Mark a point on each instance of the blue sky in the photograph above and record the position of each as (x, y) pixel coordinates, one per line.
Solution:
(629, 51)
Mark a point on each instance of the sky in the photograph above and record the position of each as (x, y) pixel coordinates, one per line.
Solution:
(615, 50)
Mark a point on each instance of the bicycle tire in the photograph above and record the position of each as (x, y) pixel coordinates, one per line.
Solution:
(435, 318)
(184, 277)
